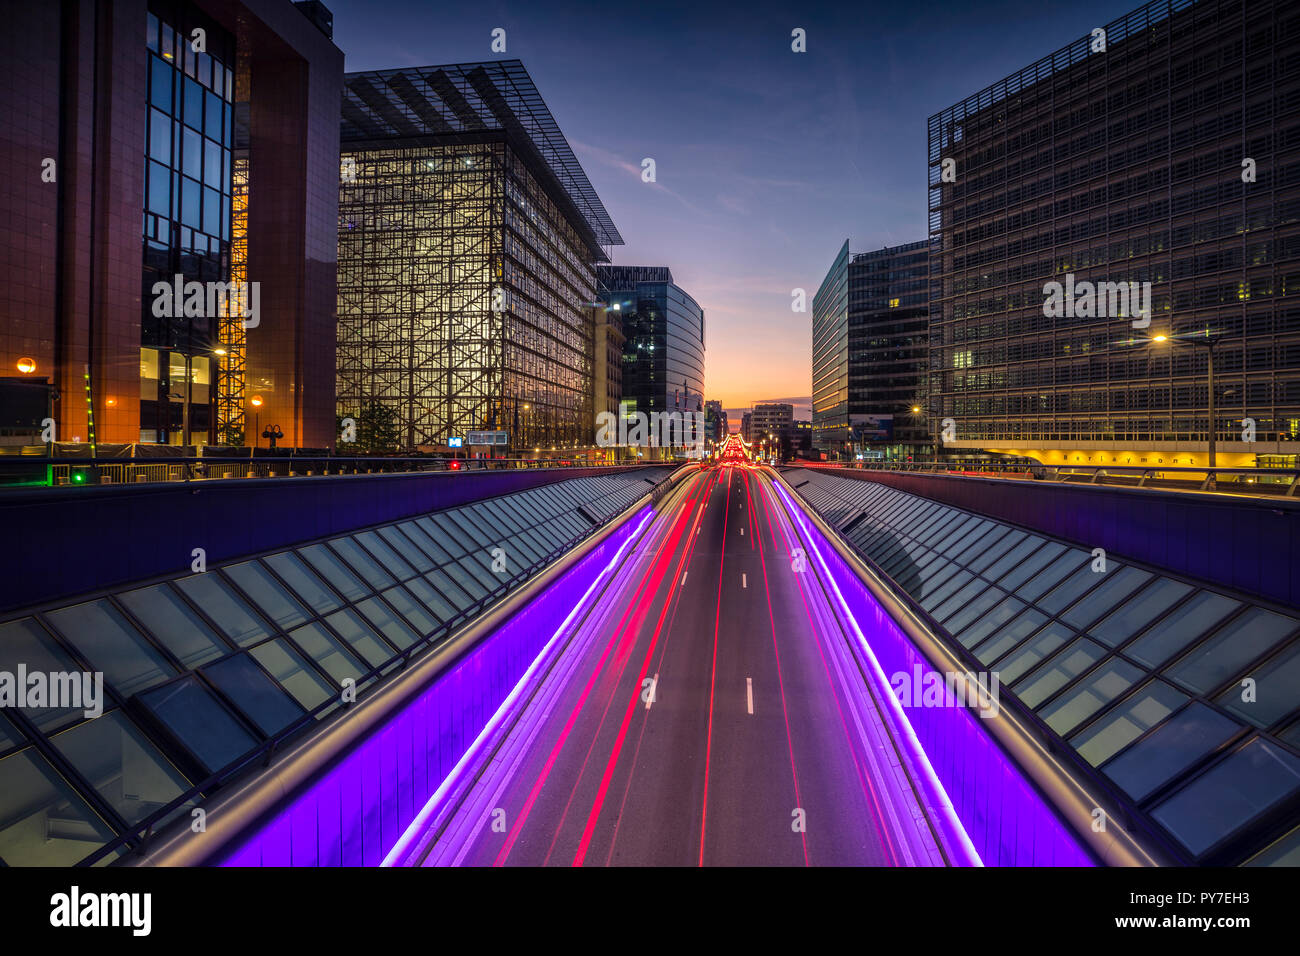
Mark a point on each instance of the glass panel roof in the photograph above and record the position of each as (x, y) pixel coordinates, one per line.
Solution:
(1147, 674)
(202, 669)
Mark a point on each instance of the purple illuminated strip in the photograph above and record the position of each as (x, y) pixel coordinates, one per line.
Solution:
(999, 818)
(437, 800)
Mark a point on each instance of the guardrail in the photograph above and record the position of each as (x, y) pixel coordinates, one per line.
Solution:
(69, 472)
(1254, 481)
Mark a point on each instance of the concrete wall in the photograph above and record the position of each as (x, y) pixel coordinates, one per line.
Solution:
(64, 542)
(1249, 544)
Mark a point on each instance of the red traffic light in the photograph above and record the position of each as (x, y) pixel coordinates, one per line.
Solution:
(455, 465)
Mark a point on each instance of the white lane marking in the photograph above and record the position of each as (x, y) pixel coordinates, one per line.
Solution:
(749, 693)
(654, 690)
(684, 576)
(744, 581)
(742, 532)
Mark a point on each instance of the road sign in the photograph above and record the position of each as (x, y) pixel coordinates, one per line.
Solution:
(486, 438)
(455, 442)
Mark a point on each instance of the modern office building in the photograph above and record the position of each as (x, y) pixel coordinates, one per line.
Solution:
(663, 354)
(887, 312)
(151, 140)
(715, 420)
(607, 347)
(803, 437)
(773, 423)
(747, 426)
(830, 358)
(468, 236)
(1164, 152)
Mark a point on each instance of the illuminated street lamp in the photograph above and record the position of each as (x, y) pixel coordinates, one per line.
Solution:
(256, 402)
(1207, 343)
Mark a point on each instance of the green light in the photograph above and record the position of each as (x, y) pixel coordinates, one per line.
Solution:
(78, 478)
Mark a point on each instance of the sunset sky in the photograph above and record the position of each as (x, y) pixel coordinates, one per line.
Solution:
(766, 159)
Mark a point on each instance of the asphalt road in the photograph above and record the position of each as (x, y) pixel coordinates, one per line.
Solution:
(708, 710)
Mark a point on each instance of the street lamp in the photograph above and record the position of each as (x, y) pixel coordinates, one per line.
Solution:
(256, 402)
(1207, 343)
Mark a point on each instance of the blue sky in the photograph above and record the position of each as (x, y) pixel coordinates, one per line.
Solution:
(766, 159)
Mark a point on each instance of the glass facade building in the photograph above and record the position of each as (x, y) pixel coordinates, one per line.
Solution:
(1171, 157)
(468, 235)
(663, 348)
(187, 217)
(888, 310)
(150, 156)
(830, 358)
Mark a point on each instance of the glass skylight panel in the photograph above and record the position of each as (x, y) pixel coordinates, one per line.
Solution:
(123, 766)
(174, 624)
(1117, 584)
(259, 698)
(444, 533)
(43, 820)
(1007, 629)
(111, 644)
(360, 637)
(1058, 670)
(1180, 628)
(1237, 643)
(386, 556)
(435, 603)
(292, 672)
(415, 531)
(400, 543)
(1041, 645)
(960, 599)
(1139, 611)
(200, 722)
(330, 653)
(26, 642)
(981, 544)
(449, 589)
(333, 570)
(480, 567)
(977, 610)
(1247, 783)
(1012, 558)
(1109, 681)
(412, 610)
(940, 593)
(362, 563)
(1032, 581)
(226, 610)
(1273, 694)
(996, 551)
(1128, 721)
(472, 529)
(267, 593)
(1072, 588)
(1183, 739)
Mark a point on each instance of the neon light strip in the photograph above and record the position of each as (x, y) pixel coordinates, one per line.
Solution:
(434, 804)
(959, 838)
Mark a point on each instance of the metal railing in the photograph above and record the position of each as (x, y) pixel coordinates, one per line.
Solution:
(1283, 482)
(71, 472)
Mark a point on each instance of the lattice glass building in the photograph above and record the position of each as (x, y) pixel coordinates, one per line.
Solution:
(1125, 164)
(468, 236)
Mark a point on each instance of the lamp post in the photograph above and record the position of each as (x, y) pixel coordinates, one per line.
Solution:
(1207, 343)
(256, 402)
